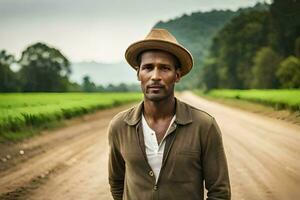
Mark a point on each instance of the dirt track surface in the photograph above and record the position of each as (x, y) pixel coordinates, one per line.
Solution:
(71, 163)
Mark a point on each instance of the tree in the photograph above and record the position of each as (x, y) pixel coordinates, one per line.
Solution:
(209, 74)
(286, 24)
(297, 47)
(44, 69)
(88, 85)
(8, 79)
(266, 63)
(74, 87)
(288, 72)
(235, 46)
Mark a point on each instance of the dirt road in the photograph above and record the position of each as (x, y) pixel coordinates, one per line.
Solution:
(71, 163)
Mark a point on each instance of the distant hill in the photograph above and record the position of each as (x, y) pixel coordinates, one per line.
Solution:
(196, 31)
(101, 73)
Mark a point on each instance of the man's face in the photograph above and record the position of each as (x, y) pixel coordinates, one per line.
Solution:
(158, 75)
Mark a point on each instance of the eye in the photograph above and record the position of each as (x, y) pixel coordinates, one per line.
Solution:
(147, 67)
(166, 68)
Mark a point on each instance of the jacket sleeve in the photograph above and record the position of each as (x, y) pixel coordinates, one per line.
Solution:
(116, 165)
(215, 167)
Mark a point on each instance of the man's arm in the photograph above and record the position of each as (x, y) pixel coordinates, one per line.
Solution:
(215, 166)
(116, 166)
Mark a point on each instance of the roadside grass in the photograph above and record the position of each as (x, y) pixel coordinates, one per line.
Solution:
(278, 99)
(23, 115)
(286, 108)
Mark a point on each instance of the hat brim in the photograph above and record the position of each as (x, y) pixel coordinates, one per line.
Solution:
(184, 56)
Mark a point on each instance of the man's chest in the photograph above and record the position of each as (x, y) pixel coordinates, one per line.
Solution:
(181, 155)
(179, 140)
(159, 128)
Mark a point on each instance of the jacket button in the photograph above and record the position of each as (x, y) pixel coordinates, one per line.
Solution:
(155, 187)
(151, 173)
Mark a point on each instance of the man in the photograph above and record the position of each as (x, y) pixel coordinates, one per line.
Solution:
(164, 149)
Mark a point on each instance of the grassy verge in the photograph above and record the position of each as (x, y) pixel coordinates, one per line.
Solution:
(24, 115)
(264, 104)
(278, 99)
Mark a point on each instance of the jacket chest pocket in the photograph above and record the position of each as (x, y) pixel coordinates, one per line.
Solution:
(187, 167)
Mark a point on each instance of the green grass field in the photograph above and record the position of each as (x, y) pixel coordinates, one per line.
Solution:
(279, 99)
(20, 111)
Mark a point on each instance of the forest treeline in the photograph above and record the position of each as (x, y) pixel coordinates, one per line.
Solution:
(256, 47)
(45, 69)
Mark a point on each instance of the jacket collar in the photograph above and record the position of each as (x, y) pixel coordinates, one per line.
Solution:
(183, 113)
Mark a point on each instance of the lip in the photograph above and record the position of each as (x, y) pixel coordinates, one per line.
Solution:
(155, 89)
(155, 86)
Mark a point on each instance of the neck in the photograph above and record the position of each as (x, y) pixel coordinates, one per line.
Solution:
(156, 110)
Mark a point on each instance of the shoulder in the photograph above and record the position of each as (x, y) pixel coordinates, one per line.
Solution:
(119, 119)
(117, 125)
(205, 123)
(200, 116)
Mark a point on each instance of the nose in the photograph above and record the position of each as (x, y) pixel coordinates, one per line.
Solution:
(156, 75)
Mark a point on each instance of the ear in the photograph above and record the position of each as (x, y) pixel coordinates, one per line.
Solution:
(178, 75)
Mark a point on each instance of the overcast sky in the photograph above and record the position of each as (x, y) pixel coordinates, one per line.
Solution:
(92, 29)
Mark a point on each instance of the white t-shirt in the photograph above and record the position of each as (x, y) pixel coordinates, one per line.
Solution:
(154, 152)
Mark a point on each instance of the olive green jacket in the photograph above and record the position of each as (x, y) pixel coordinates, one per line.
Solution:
(193, 154)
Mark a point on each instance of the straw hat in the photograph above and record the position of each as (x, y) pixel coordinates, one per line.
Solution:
(160, 39)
